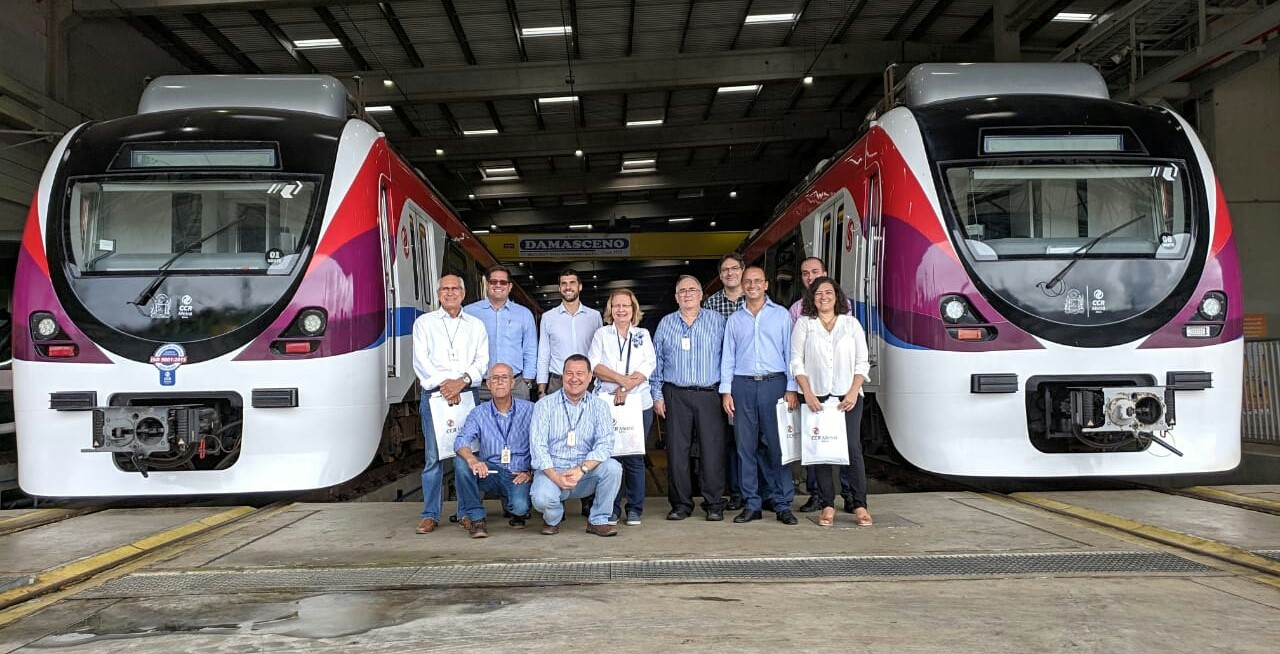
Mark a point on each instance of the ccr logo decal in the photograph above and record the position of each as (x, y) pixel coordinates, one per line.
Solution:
(167, 359)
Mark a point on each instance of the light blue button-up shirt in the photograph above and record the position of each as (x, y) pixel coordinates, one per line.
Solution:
(697, 366)
(554, 415)
(487, 432)
(513, 338)
(564, 334)
(756, 345)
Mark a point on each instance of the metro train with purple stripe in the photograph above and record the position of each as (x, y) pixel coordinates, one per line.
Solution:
(217, 294)
(1047, 277)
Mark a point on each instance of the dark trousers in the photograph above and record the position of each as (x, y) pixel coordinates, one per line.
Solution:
(633, 477)
(731, 484)
(857, 469)
(811, 480)
(689, 411)
(755, 423)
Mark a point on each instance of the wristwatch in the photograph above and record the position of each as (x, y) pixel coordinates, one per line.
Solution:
(466, 376)
(584, 468)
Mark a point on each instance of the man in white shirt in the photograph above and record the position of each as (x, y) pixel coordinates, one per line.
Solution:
(450, 355)
(566, 330)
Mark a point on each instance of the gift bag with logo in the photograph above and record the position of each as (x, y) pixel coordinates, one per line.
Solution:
(447, 421)
(628, 425)
(788, 432)
(824, 438)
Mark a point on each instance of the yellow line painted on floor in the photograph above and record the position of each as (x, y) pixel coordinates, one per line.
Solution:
(1188, 542)
(1228, 496)
(36, 518)
(62, 575)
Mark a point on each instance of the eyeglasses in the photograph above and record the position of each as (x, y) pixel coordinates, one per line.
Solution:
(500, 379)
(499, 282)
(687, 291)
(733, 268)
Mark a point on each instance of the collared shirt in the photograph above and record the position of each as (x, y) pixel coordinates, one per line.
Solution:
(513, 339)
(445, 348)
(487, 431)
(756, 345)
(723, 305)
(829, 359)
(564, 334)
(553, 417)
(699, 365)
(799, 304)
(634, 353)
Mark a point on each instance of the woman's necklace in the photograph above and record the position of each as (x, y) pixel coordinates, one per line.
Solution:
(828, 324)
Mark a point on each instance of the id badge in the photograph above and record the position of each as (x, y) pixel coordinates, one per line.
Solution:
(506, 456)
(571, 439)
(684, 343)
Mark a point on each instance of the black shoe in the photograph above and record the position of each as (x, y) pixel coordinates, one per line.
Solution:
(735, 503)
(715, 515)
(767, 505)
(786, 517)
(747, 515)
(678, 514)
(812, 505)
(848, 503)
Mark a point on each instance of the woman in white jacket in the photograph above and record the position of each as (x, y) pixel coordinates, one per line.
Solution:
(622, 357)
(829, 359)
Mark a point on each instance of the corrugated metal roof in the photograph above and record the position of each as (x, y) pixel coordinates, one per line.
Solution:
(489, 32)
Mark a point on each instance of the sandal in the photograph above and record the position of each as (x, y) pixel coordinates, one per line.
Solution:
(827, 517)
(862, 517)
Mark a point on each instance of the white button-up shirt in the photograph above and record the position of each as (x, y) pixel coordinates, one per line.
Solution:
(829, 359)
(564, 334)
(445, 348)
(634, 353)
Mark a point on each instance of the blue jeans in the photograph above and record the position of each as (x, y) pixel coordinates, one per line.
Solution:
(604, 480)
(755, 425)
(633, 476)
(432, 472)
(471, 490)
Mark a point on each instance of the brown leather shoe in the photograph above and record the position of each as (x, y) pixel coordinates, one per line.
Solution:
(427, 526)
(550, 530)
(602, 530)
(476, 529)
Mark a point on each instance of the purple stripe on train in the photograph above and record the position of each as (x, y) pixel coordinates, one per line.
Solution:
(1221, 273)
(33, 291)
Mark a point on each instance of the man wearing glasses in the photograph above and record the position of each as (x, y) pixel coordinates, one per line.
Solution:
(493, 455)
(725, 301)
(450, 354)
(513, 339)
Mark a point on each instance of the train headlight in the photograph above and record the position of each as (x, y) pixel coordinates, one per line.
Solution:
(312, 322)
(953, 309)
(43, 326)
(1213, 306)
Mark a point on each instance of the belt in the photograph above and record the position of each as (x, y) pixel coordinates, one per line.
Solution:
(764, 377)
(704, 389)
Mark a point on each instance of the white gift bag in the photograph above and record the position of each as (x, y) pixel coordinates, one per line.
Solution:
(628, 425)
(788, 432)
(824, 439)
(447, 421)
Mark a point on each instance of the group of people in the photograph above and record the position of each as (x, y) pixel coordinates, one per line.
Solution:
(714, 370)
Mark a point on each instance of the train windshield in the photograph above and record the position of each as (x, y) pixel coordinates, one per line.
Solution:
(218, 224)
(1020, 211)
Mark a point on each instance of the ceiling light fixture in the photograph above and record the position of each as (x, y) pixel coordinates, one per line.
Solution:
(493, 227)
(377, 107)
(559, 99)
(479, 132)
(479, 231)
(808, 80)
(556, 30)
(1074, 17)
(439, 152)
(686, 219)
(388, 82)
(645, 123)
(471, 196)
(577, 153)
(309, 44)
(713, 223)
(765, 19)
(744, 88)
(733, 194)
(586, 226)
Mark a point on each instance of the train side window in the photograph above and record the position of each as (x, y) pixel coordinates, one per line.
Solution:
(416, 263)
(837, 243)
(424, 244)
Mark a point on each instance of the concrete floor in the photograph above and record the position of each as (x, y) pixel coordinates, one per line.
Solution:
(1217, 609)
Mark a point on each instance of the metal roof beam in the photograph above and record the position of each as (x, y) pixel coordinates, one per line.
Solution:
(155, 30)
(612, 182)
(633, 74)
(406, 44)
(632, 212)
(119, 8)
(210, 30)
(335, 27)
(285, 42)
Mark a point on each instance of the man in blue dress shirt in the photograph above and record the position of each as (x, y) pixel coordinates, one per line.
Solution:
(566, 329)
(513, 338)
(754, 375)
(684, 386)
(571, 447)
(493, 455)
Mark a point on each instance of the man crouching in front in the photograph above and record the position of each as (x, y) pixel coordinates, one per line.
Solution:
(571, 442)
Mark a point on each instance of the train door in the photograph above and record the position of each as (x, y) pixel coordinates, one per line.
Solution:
(390, 345)
(872, 260)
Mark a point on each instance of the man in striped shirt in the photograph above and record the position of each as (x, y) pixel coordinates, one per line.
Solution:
(571, 446)
(684, 387)
(493, 454)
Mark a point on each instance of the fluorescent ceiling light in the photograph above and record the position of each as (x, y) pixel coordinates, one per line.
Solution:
(586, 226)
(739, 89)
(559, 99)
(640, 162)
(546, 31)
(478, 132)
(479, 231)
(644, 123)
(304, 44)
(500, 170)
(1073, 17)
(680, 220)
(762, 19)
(378, 107)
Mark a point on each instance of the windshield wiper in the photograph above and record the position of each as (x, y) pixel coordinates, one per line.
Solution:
(163, 271)
(1076, 256)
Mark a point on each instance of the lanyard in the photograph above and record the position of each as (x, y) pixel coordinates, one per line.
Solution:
(497, 419)
(627, 338)
(564, 406)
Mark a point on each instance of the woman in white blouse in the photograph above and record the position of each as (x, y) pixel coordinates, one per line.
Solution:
(829, 359)
(622, 357)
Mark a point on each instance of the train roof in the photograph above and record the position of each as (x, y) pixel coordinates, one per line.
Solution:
(315, 94)
(931, 83)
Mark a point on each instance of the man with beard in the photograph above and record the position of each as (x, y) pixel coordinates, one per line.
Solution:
(566, 330)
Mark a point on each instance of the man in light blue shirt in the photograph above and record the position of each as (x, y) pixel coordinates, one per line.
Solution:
(513, 338)
(754, 375)
(571, 448)
(566, 329)
(493, 455)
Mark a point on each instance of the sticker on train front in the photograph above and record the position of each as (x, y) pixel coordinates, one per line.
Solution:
(167, 359)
